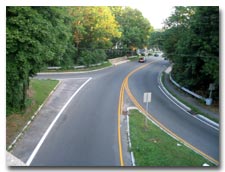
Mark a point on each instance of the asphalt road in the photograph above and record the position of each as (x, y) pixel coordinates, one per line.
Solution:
(184, 125)
(86, 132)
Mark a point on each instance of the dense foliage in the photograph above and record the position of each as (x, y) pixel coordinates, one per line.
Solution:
(64, 36)
(135, 28)
(191, 41)
(35, 36)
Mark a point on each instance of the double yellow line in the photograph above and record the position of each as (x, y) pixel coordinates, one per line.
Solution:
(120, 109)
(125, 86)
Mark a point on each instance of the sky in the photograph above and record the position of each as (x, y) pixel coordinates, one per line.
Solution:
(155, 11)
(155, 14)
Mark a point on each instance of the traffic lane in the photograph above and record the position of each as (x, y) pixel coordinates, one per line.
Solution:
(69, 75)
(25, 146)
(86, 133)
(95, 74)
(63, 75)
(195, 132)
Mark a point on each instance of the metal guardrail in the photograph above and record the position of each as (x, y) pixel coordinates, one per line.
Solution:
(186, 90)
(75, 67)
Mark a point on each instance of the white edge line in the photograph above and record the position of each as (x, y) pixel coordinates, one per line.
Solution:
(32, 118)
(198, 117)
(173, 100)
(208, 120)
(165, 90)
(187, 111)
(177, 139)
(52, 124)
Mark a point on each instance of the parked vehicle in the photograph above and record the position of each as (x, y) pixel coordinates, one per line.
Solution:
(156, 55)
(142, 59)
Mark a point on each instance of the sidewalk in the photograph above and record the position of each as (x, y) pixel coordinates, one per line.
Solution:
(209, 110)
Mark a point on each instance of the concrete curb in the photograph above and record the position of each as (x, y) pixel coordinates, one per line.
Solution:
(121, 62)
(186, 108)
(115, 64)
(170, 95)
(128, 135)
(178, 140)
(31, 119)
(208, 120)
(52, 73)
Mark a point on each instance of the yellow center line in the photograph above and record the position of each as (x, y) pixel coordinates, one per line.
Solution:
(120, 108)
(125, 86)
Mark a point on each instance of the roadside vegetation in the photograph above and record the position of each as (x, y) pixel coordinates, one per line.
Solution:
(190, 40)
(38, 37)
(37, 94)
(153, 147)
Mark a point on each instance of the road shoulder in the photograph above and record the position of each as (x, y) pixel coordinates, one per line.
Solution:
(25, 146)
(191, 103)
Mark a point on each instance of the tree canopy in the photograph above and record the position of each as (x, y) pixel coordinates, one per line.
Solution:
(64, 36)
(135, 28)
(94, 27)
(191, 42)
(35, 36)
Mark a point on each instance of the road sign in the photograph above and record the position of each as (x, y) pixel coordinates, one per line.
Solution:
(212, 87)
(147, 97)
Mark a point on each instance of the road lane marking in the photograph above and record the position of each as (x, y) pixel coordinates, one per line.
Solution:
(133, 99)
(207, 122)
(53, 123)
(120, 108)
(197, 118)
(183, 106)
(74, 78)
(173, 100)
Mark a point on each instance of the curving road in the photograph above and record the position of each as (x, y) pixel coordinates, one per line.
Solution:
(202, 137)
(86, 133)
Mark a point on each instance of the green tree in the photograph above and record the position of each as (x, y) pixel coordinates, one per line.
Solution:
(191, 41)
(35, 36)
(93, 27)
(135, 28)
(156, 40)
(205, 26)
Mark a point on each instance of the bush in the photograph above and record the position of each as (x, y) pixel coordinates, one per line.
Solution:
(91, 57)
(114, 53)
(69, 57)
(100, 56)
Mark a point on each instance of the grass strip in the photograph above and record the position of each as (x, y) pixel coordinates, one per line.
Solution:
(153, 147)
(42, 89)
(38, 92)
